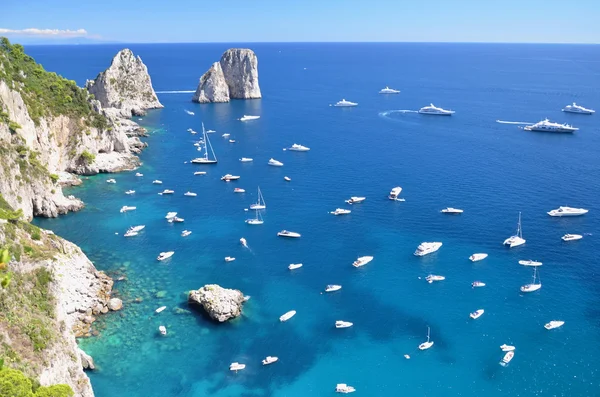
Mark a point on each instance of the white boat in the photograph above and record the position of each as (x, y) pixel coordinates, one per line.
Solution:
(345, 103)
(427, 248)
(130, 192)
(568, 211)
(507, 358)
(548, 126)
(189, 112)
(575, 108)
(285, 233)
(239, 190)
(478, 257)
(260, 202)
(431, 109)
(530, 263)
(451, 210)
(507, 348)
(190, 194)
(137, 228)
(246, 159)
(210, 131)
(127, 208)
(287, 178)
(111, 181)
(434, 277)
(554, 324)
(361, 261)
(165, 255)
(232, 141)
(171, 215)
(157, 182)
(428, 344)
(269, 360)
(476, 314)
(571, 237)
(191, 131)
(167, 191)
(205, 159)
(162, 329)
(236, 367)
(477, 284)
(294, 266)
(287, 315)
(160, 309)
(275, 163)
(130, 233)
(344, 388)
(247, 118)
(257, 220)
(332, 288)
(139, 174)
(394, 193)
(517, 239)
(388, 90)
(533, 286)
(298, 148)
(176, 219)
(225, 135)
(343, 324)
(186, 233)
(340, 211)
(229, 177)
(229, 259)
(355, 200)
(200, 173)
(243, 242)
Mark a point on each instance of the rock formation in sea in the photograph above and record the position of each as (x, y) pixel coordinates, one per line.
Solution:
(219, 303)
(234, 76)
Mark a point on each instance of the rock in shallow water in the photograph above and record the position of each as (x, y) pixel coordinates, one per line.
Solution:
(115, 304)
(219, 303)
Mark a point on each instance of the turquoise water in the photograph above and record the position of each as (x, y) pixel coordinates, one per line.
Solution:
(469, 161)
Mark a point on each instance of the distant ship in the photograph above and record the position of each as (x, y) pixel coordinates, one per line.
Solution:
(431, 109)
(345, 103)
(575, 108)
(388, 90)
(548, 126)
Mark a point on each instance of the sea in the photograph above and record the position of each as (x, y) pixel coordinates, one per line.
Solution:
(491, 170)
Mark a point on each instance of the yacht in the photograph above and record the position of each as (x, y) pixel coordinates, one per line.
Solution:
(206, 145)
(275, 163)
(185, 233)
(287, 178)
(232, 141)
(269, 360)
(507, 348)
(451, 210)
(394, 193)
(229, 259)
(139, 174)
(477, 284)
(229, 177)
(210, 131)
(225, 135)
(343, 324)
(294, 266)
(200, 173)
(530, 263)
(176, 219)
(247, 118)
(190, 194)
(575, 108)
(298, 148)
(137, 228)
(163, 330)
(548, 126)
(476, 314)
(157, 182)
(130, 233)
(340, 211)
(431, 109)
(355, 200)
(165, 255)
(478, 257)
(167, 191)
(171, 215)
(344, 388)
(568, 211)
(433, 277)
(236, 367)
(285, 233)
(332, 288)
(126, 208)
(363, 260)
(246, 159)
(189, 112)
(160, 309)
(287, 315)
(257, 220)
(428, 344)
(427, 248)
(554, 324)
(130, 192)
(260, 202)
(571, 237)
(533, 286)
(388, 90)
(517, 239)
(239, 190)
(111, 181)
(345, 103)
(507, 358)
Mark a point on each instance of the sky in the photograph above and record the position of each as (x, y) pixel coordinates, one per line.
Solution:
(160, 21)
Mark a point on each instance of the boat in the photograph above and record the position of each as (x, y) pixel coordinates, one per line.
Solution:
(127, 208)
(477, 284)
(236, 367)
(111, 181)
(548, 126)
(568, 211)
(332, 288)
(171, 215)
(476, 314)
(210, 131)
(394, 193)
(165, 255)
(434, 277)
(246, 159)
(533, 286)
(189, 112)
(355, 200)
(361, 261)
(130, 192)
(507, 358)
(243, 242)
(554, 324)
(388, 90)
(345, 103)
(260, 203)
(340, 211)
(275, 163)
(507, 348)
(225, 135)
(247, 118)
(428, 344)
(451, 210)
(139, 174)
(130, 233)
(298, 148)
(137, 228)
(229, 177)
(294, 266)
(190, 194)
(167, 191)
(287, 178)
(162, 329)
(239, 190)
(185, 233)
(229, 259)
(247, 298)
(287, 315)
(205, 159)
(343, 324)
(517, 239)
(431, 109)
(269, 360)
(344, 388)
(427, 248)
(176, 219)
(571, 237)
(530, 263)
(285, 233)
(257, 220)
(157, 182)
(200, 173)
(575, 108)
(160, 309)
(232, 141)
(478, 257)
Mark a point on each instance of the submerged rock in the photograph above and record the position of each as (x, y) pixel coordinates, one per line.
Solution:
(220, 304)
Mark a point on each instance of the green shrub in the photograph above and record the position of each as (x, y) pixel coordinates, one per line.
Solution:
(54, 391)
(13, 127)
(54, 178)
(87, 157)
(14, 383)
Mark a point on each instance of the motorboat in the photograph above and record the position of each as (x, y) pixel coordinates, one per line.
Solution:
(167, 191)
(476, 314)
(394, 193)
(568, 211)
(189, 112)
(287, 315)
(111, 181)
(243, 242)
(139, 174)
(191, 131)
(451, 210)
(287, 178)
(294, 266)
(507, 348)
(285, 233)
(258, 220)
(127, 208)
(517, 239)
(507, 358)
(388, 90)
(530, 263)
(269, 360)
(130, 192)
(298, 148)
(206, 145)
(554, 324)
(186, 233)
(548, 126)
(332, 288)
(343, 324)
(226, 135)
(345, 103)
(434, 277)
(239, 190)
(165, 255)
(200, 173)
(355, 200)
(137, 228)
(176, 219)
(477, 284)
(340, 211)
(247, 118)
(171, 215)
(571, 237)
(210, 131)
(229, 259)
(246, 159)
(344, 388)
(163, 330)
(361, 261)
(160, 309)
(130, 233)
(275, 163)
(431, 109)
(236, 367)
(232, 141)
(427, 248)
(428, 344)
(478, 257)
(190, 194)
(157, 182)
(260, 202)
(229, 177)
(533, 286)
(575, 108)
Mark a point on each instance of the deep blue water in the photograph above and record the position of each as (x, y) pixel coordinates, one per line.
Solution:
(469, 161)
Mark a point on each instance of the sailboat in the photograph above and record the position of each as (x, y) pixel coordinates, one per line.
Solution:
(533, 286)
(255, 221)
(428, 344)
(205, 159)
(260, 204)
(517, 239)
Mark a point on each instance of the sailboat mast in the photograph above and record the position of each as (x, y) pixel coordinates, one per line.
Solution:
(207, 144)
(519, 229)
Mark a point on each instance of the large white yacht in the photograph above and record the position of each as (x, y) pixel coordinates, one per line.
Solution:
(247, 118)
(451, 210)
(554, 324)
(236, 367)
(571, 237)
(575, 108)
(434, 277)
(431, 109)
(298, 148)
(388, 90)
(530, 262)
(548, 126)
(345, 103)
(340, 211)
(275, 163)
(269, 360)
(427, 248)
(363, 260)
(165, 255)
(394, 193)
(568, 211)
(355, 200)
(229, 177)
(286, 233)
(344, 388)
(517, 239)
(332, 288)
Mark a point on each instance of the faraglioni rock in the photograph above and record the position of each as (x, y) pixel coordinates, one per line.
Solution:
(220, 304)
(237, 72)
(125, 85)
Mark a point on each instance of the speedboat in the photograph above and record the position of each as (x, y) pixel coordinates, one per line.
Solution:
(232, 141)
(167, 191)
(171, 215)
(568, 211)
(246, 159)
(229, 259)
(388, 90)
(246, 118)
(200, 173)
(476, 284)
(332, 288)
(165, 255)
(344, 388)
(548, 126)
(507, 348)
(343, 324)
(229, 177)
(189, 112)
(345, 103)
(428, 344)
(571, 237)
(517, 239)
(236, 367)
(554, 324)
(507, 358)
(533, 286)
(126, 208)
(163, 330)
(340, 211)
(157, 182)
(130, 233)
(298, 148)
(225, 135)
(427, 248)
(575, 108)
(139, 174)
(478, 257)
(130, 192)
(176, 219)
(275, 163)
(269, 360)
(160, 309)
(287, 178)
(355, 200)
(363, 260)
(394, 193)
(111, 181)
(137, 228)
(476, 314)
(239, 190)
(451, 210)
(285, 233)
(287, 315)
(185, 233)
(530, 263)
(210, 131)
(433, 277)
(431, 109)
(294, 266)
(243, 242)
(190, 194)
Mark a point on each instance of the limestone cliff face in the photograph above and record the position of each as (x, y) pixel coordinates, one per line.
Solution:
(234, 76)
(125, 85)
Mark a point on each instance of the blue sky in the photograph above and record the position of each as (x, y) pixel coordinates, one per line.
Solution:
(550, 21)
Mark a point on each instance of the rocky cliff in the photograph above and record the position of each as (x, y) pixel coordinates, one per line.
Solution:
(234, 76)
